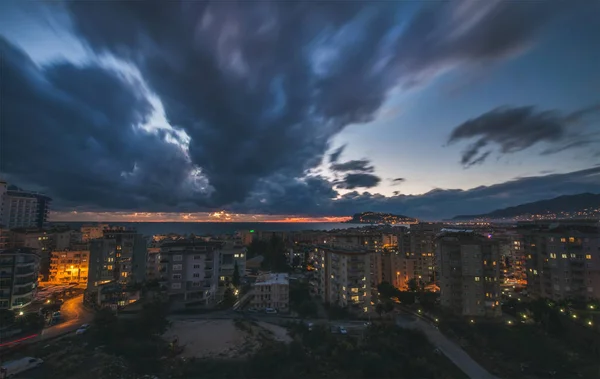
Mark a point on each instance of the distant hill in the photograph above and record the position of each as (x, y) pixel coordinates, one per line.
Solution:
(568, 206)
(380, 218)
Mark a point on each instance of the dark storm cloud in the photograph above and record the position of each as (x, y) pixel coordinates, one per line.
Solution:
(333, 157)
(70, 131)
(261, 87)
(518, 128)
(358, 180)
(361, 165)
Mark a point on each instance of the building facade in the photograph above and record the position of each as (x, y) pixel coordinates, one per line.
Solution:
(469, 274)
(120, 255)
(22, 209)
(70, 266)
(18, 277)
(562, 260)
(271, 291)
(189, 270)
(90, 232)
(343, 276)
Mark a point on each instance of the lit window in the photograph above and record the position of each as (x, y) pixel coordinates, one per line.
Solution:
(553, 255)
(563, 240)
(355, 298)
(222, 278)
(564, 256)
(588, 256)
(242, 255)
(236, 255)
(571, 239)
(354, 290)
(477, 278)
(109, 267)
(124, 274)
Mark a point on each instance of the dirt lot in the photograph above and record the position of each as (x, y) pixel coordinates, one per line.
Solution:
(223, 338)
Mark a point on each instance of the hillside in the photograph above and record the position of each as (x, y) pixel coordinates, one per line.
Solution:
(380, 218)
(568, 206)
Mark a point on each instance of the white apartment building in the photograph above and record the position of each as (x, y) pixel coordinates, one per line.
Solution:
(18, 277)
(344, 276)
(22, 209)
(271, 291)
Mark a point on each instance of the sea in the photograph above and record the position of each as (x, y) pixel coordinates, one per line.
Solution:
(213, 228)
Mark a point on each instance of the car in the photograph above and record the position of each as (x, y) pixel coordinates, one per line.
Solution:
(342, 330)
(252, 310)
(82, 329)
(270, 310)
(368, 323)
(12, 368)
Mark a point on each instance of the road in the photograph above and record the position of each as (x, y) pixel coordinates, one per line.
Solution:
(73, 314)
(450, 349)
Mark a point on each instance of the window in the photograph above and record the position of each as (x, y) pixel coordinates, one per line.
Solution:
(242, 255)
(176, 286)
(196, 275)
(178, 258)
(109, 267)
(196, 266)
(588, 256)
(124, 274)
(477, 278)
(177, 276)
(571, 239)
(236, 255)
(564, 256)
(222, 278)
(195, 284)
(177, 267)
(354, 290)
(563, 240)
(354, 298)
(196, 257)
(553, 255)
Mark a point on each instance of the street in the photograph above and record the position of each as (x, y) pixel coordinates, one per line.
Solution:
(73, 314)
(451, 350)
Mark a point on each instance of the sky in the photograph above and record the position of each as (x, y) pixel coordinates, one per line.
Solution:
(298, 110)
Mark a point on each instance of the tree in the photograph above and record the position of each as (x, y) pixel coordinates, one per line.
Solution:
(235, 280)
(413, 285)
(229, 297)
(387, 290)
(379, 309)
(7, 317)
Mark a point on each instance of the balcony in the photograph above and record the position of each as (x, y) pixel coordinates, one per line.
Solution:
(24, 271)
(208, 268)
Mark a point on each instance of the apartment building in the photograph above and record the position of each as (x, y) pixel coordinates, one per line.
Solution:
(120, 255)
(70, 266)
(232, 255)
(562, 260)
(469, 273)
(415, 258)
(271, 291)
(90, 232)
(153, 261)
(18, 277)
(189, 270)
(22, 209)
(343, 276)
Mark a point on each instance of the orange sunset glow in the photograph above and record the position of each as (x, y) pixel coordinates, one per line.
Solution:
(221, 216)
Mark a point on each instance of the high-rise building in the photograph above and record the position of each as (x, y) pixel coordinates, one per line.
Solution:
(189, 270)
(344, 276)
(469, 273)
(416, 260)
(563, 260)
(120, 255)
(22, 209)
(18, 277)
(90, 232)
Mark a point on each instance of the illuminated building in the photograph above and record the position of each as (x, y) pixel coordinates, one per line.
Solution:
(70, 266)
(18, 277)
(344, 276)
(563, 260)
(22, 209)
(271, 291)
(469, 273)
(120, 255)
(230, 255)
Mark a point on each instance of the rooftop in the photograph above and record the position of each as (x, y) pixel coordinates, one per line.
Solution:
(273, 278)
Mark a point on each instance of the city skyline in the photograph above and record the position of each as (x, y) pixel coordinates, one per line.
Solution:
(272, 112)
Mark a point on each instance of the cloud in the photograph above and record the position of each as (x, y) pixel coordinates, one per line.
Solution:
(397, 181)
(515, 129)
(358, 180)
(78, 135)
(333, 157)
(361, 165)
(260, 89)
(264, 86)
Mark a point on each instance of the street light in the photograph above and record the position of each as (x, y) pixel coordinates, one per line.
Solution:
(21, 313)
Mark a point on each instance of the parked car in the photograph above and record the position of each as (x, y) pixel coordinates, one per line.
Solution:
(343, 330)
(270, 310)
(12, 368)
(82, 329)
